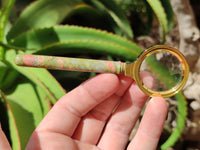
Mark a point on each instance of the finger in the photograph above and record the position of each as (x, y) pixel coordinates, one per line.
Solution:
(122, 121)
(151, 126)
(92, 124)
(67, 112)
(55, 141)
(4, 145)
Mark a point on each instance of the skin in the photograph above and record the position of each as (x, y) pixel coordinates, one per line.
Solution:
(84, 118)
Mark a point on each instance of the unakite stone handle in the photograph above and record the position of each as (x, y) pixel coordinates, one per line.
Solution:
(73, 64)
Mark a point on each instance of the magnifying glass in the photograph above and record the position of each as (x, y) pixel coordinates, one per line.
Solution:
(165, 64)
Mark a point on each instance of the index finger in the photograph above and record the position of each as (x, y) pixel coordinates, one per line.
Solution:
(151, 126)
(67, 112)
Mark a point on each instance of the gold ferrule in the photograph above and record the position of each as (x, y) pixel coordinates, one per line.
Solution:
(130, 70)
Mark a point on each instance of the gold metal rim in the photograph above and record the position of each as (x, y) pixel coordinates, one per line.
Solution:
(175, 89)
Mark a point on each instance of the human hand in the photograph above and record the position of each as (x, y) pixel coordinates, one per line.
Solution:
(84, 119)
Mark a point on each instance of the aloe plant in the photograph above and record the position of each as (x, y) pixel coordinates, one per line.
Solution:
(27, 94)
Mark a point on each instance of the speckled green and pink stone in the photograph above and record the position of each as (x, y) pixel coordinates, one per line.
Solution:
(73, 64)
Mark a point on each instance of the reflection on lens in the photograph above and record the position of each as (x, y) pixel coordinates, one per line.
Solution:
(165, 68)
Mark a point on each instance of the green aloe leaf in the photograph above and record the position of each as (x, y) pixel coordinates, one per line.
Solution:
(42, 13)
(25, 104)
(38, 38)
(169, 12)
(7, 75)
(4, 14)
(4, 69)
(181, 118)
(14, 134)
(32, 76)
(115, 12)
(89, 46)
(41, 77)
(161, 15)
(86, 15)
(15, 139)
(9, 78)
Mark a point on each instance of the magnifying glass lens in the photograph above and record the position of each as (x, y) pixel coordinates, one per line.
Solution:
(165, 68)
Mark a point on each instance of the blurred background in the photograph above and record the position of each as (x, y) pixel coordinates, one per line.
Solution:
(99, 29)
